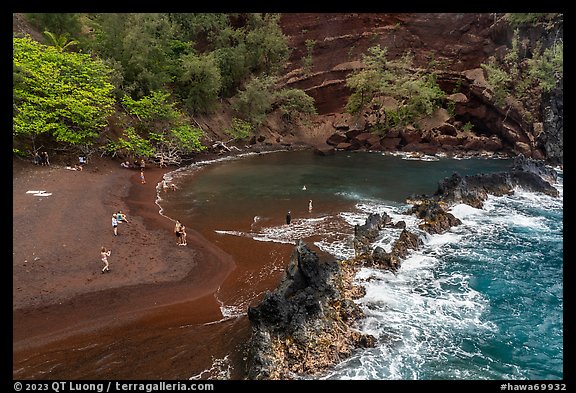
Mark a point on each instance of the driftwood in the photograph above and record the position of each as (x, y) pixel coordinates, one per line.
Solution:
(170, 157)
(222, 146)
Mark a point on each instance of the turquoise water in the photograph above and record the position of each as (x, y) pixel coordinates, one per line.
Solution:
(482, 301)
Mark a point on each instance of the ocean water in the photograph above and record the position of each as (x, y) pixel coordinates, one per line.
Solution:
(481, 301)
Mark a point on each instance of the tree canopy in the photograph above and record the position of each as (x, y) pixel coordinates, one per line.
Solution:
(137, 65)
(64, 95)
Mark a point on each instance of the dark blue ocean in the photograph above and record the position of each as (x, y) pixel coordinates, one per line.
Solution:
(481, 301)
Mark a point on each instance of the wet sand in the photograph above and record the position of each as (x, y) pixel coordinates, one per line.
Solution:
(151, 317)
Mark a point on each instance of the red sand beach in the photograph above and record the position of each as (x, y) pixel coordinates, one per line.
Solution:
(64, 307)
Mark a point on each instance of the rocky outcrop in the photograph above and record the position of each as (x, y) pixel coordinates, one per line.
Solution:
(391, 260)
(435, 219)
(531, 175)
(552, 136)
(366, 234)
(477, 125)
(306, 324)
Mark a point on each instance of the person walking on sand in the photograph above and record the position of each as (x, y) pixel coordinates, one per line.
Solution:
(104, 254)
(288, 217)
(142, 179)
(310, 206)
(178, 232)
(115, 224)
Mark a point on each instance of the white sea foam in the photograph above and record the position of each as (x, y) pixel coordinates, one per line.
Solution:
(339, 249)
(220, 369)
(414, 317)
(463, 211)
(301, 228)
(418, 313)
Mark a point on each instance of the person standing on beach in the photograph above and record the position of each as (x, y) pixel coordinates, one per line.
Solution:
(45, 159)
(183, 236)
(104, 254)
(288, 217)
(142, 179)
(115, 224)
(178, 232)
(310, 206)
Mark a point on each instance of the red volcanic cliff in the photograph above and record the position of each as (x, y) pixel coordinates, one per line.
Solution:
(457, 41)
(453, 45)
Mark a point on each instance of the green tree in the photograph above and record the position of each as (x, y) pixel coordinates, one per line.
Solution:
(294, 102)
(239, 129)
(145, 53)
(529, 18)
(498, 79)
(233, 68)
(308, 61)
(266, 46)
(525, 74)
(58, 23)
(199, 82)
(65, 96)
(142, 44)
(159, 128)
(197, 27)
(152, 107)
(255, 101)
(415, 91)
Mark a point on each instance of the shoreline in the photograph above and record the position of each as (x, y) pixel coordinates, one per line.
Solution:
(51, 303)
(172, 278)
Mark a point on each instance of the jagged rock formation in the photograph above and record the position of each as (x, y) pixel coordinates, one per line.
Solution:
(531, 175)
(366, 234)
(552, 135)
(306, 324)
(435, 218)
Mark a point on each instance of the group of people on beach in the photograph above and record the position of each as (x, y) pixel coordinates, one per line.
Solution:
(120, 216)
(41, 158)
(117, 218)
(168, 186)
(137, 164)
(180, 232)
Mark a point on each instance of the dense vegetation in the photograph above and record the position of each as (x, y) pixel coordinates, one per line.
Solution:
(415, 92)
(134, 84)
(64, 95)
(154, 72)
(526, 70)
